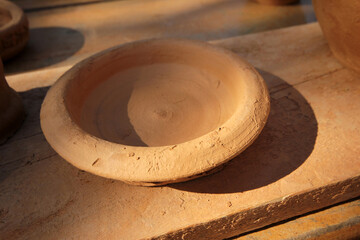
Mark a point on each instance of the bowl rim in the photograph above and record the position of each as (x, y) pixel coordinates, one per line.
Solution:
(16, 15)
(163, 164)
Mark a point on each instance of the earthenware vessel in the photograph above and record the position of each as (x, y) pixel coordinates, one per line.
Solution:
(276, 2)
(11, 109)
(14, 29)
(155, 111)
(340, 23)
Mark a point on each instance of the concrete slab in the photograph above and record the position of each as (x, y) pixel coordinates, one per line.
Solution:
(306, 158)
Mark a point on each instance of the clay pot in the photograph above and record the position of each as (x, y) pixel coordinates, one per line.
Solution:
(340, 23)
(276, 2)
(154, 112)
(11, 109)
(14, 29)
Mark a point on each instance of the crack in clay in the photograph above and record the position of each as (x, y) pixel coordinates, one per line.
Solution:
(19, 139)
(27, 162)
(182, 203)
(305, 81)
(95, 162)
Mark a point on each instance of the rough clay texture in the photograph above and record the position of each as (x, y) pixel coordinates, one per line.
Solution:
(11, 109)
(340, 22)
(306, 157)
(155, 111)
(14, 30)
(341, 221)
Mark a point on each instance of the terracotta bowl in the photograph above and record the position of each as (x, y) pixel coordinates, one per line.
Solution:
(11, 109)
(340, 23)
(14, 29)
(155, 112)
(276, 2)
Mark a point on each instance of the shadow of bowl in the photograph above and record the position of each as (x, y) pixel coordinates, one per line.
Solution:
(284, 144)
(47, 46)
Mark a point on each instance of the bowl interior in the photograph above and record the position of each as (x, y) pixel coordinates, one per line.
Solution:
(155, 94)
(5, 17)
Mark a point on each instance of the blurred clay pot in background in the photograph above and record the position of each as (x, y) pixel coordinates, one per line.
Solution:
(11, 109)
(340, 23)
(276, 2)
(14, 29)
